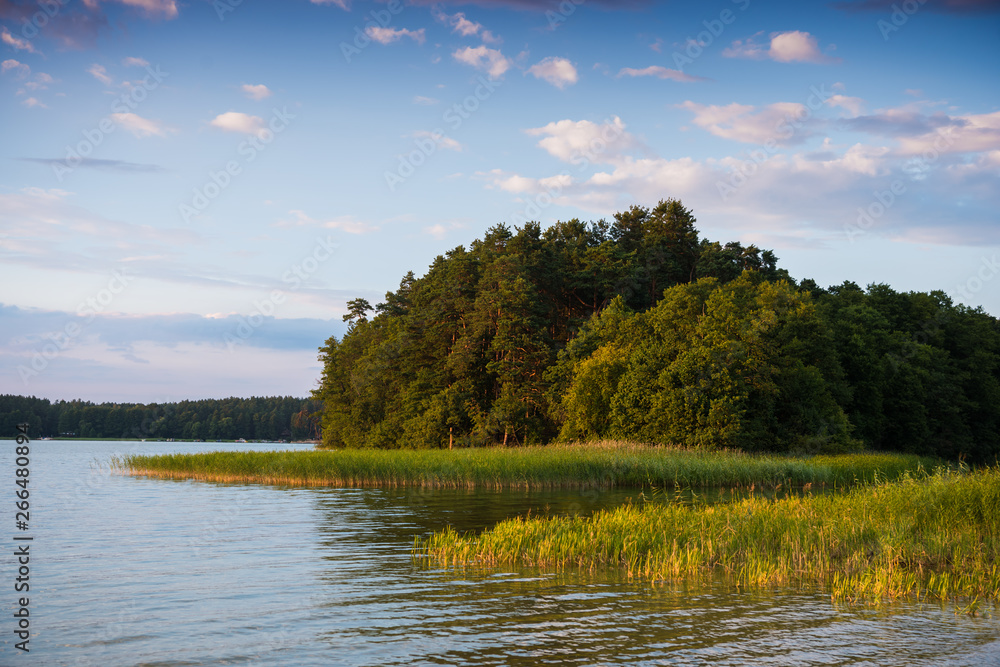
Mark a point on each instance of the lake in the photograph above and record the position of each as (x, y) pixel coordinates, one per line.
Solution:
(136, 571)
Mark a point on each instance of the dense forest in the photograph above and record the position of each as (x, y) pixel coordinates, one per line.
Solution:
(638, 329)
(271, 418)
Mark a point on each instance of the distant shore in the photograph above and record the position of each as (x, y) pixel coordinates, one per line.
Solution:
(63, 439)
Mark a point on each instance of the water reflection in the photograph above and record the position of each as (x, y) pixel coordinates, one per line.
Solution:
(374, 596)
(158, 572)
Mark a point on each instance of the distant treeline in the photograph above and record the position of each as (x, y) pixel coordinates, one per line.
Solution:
(264, 418)
(639, 330)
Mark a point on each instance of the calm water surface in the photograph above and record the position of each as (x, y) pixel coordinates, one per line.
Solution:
(134, 571)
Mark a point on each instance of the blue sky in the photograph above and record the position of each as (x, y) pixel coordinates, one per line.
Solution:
(191, 191)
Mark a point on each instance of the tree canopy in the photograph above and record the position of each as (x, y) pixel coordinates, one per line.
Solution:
(639, 329)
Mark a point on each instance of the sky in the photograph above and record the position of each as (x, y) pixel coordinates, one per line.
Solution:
(191, 191)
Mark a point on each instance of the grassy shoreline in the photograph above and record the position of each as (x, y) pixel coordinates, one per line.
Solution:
(595, 465)
(923, 536)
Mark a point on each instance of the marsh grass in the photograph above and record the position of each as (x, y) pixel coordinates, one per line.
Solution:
(924, 536)
(600, 465)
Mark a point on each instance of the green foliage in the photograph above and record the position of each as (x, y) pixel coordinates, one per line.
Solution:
(606, 464)
(922, 536)
(733, 365)
(637, 329)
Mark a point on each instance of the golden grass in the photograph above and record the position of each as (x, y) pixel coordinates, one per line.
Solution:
(600, 465)
(923, 536)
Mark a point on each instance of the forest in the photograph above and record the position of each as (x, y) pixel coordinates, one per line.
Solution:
(264, 418)
(638, 329)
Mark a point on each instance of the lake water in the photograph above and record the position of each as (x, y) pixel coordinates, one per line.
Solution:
(135, 571)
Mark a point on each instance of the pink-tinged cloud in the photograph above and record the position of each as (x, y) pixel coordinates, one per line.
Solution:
(785, 47)
(390, 35)
(16, 43)
(466, 28)
(255, 92)
(139, 126)
(483, 58)
(235, 121)
(855, 105)
(782, 123)
(573, 141)
(20, 69)
(166, 9)
(979, 133)
(660, 73)
(557, 71)
(99, 73)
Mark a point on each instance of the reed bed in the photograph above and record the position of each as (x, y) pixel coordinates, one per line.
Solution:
(924, 536)
(601, 465)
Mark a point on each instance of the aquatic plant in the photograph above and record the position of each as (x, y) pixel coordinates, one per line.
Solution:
(923, 536)
(602, 465)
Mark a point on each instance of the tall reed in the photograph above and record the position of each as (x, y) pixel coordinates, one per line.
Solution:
(935, 536)
(596, 465)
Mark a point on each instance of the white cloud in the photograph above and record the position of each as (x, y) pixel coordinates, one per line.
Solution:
(425, 101)
(32, 102)
(557, 71)
(135, 62)
(343, 4)
(16, 43)
(163, 8)
(441, 140)
(235, 121)
(855, 105)
(467, 28)
(257, 92)
(659, 72)
(389, 35)
(489, 60)
(785, 47)
(797, 46)
(40, 82)
(20, 69)
(346, 223)
(100, 73)
(974, 133)
(575, 141)
(437, 231)
(783, 122)
(791, 196)
(139, 126)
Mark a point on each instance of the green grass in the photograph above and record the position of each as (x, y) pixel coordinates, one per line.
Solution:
(593, 465)
(923, 536)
